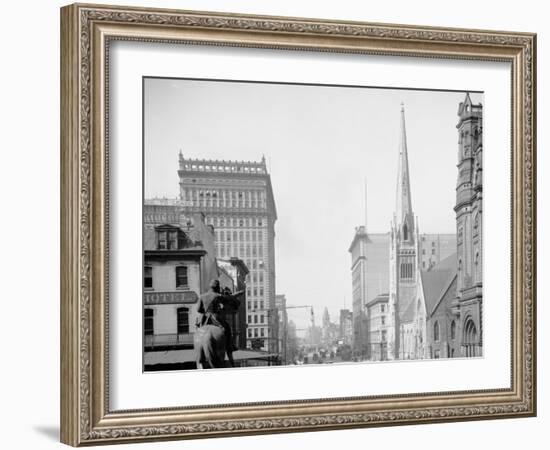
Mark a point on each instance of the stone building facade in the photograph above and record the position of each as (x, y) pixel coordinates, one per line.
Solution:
(469, 206)
(177, 267)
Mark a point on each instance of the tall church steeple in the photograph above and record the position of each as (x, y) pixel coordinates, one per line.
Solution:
(404, 216)
(403, 270)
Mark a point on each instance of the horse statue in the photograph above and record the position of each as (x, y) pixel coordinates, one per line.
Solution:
(209, 343)
(213, 337)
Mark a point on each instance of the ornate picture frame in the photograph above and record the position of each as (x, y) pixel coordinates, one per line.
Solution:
(86, 34)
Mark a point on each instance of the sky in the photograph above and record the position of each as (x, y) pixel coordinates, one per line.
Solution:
(322, 144)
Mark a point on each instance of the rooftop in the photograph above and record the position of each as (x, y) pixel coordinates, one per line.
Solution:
(436, 282)
(222, 166)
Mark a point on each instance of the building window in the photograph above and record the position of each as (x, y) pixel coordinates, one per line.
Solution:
(433, 251)
(382, 308)
(249, 319)
(453, 330)
(167, 240)
(406, 270)
(436, 354)
(148, 277)
(262, 318)
(255, 332)
(255, 318)
(436, 331)
(170, 238)
(148, 325)
(383, 319)
(405, 232)
(181, 277)
(383, 336)
(183, 321)
(262, 332)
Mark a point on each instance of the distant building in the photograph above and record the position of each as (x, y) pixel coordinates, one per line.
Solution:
(282, 316)
(377, 312)
(346, 326)
(369, 272)
(237, 199)
(434, 248)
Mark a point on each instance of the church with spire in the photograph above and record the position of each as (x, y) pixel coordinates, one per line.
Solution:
(404, 268)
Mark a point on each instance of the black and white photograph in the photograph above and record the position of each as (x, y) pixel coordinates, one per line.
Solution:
(296, 224)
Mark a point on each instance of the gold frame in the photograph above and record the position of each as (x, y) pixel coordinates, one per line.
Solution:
(86, 31)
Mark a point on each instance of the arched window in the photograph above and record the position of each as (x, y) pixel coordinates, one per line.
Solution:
(453, 330)
(477, 268)
(405, 232)
(470, 337)
(476, 224)
(436, 331)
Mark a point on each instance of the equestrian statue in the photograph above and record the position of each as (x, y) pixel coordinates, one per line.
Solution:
(213, 338)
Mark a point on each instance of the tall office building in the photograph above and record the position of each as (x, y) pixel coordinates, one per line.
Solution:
(237, 200)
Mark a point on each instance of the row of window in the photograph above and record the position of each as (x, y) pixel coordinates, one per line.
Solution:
(170, 239)
(182, 279)
(219, 166)
(240, 250)
(255, 305)
(256, 318)
(248, 236)
(424, 251)
(436, 331)
(224, 198)
(256, 332)
(255, 292)
(235, 221)
(182, 315)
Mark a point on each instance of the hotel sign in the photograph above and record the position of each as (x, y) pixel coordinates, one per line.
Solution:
(166, 298)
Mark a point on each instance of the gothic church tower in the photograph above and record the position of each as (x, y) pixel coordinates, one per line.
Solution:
(468, 208)
(404, 254)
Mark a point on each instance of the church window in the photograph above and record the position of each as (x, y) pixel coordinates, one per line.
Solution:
(436, 331)
(405, 232)
(453, 330)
